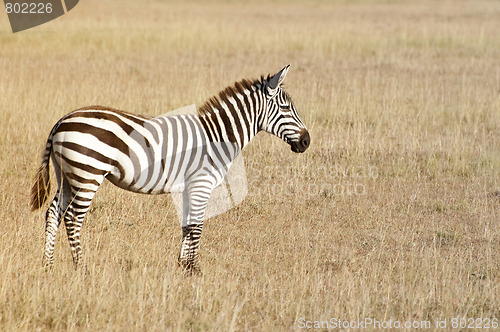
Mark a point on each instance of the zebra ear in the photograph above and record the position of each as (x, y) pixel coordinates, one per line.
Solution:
(275, 81)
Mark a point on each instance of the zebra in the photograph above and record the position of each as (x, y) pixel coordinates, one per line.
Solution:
(188, 153)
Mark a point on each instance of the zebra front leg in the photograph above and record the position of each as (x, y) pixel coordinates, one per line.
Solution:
(195, 200)
(188, 256)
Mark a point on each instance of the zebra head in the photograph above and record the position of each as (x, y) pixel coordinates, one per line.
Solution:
(280, 116)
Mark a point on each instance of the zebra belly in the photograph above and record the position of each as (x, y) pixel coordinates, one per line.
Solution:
(160, 188)
(165, 172)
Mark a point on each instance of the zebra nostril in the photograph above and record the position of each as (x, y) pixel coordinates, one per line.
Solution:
(305, 140)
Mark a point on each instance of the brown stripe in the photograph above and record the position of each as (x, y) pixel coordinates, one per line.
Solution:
(242, 111)
(81, 180)
(83, 167)
(134, 117)
(207, 125)
(102, 135)
(109, 117)
(226, 123)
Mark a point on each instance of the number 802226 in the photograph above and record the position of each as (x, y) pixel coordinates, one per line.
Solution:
(28, 8)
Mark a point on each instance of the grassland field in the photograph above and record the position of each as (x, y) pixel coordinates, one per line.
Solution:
(392, 213)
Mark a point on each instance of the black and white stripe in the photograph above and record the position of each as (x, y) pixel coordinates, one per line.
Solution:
(182, 153)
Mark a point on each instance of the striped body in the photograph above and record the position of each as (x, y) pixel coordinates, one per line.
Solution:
(182, 153)
(144, 155)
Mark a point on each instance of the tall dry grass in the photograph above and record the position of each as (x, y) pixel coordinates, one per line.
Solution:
(393, 212)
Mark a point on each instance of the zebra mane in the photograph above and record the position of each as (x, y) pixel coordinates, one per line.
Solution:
(238, 88)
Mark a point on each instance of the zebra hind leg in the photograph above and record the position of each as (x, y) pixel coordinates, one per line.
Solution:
(55, 213)
(53, 219)
(73, 226)
(73, 220)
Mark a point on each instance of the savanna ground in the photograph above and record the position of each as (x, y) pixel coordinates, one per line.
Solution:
(392, 214)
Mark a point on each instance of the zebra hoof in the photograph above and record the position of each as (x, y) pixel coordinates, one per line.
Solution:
(47, 265)
(191, 269)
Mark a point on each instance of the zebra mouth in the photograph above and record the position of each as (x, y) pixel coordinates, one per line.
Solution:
(301, 145)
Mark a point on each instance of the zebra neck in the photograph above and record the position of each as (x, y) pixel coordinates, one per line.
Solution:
(234, 118)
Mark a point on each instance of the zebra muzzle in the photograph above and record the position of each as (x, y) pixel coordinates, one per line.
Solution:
(302, 143)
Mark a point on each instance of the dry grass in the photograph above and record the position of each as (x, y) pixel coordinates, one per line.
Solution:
(393, 213)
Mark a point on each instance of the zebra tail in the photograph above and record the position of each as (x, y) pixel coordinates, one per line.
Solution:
(41, 187)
